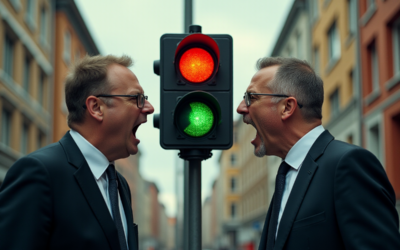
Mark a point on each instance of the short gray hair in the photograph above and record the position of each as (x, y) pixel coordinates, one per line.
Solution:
(296, 78)
(89, 77)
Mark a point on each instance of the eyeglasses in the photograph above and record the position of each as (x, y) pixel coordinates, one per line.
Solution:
(140, 98)
(247, 97)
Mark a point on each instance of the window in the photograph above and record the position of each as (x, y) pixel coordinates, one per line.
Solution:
(334, 43)
(43, 26)
(233, 210)
(233, 159)
(334, 100)
(314, 10)
(41, 86)
(351, 82)
(374, 140)
(299, 44)
(233, 185)
(8, 56)
(30, 14)
(6, 127)
(24, 138)
(27, 74)
(67, 47)
(396, 46)
(374, 67)
(352, 16)
(316, 61)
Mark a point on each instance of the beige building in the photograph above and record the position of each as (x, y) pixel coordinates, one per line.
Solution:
(72, 41)
(25, 78)
(334, 36)
(228, 189)
(206, 224)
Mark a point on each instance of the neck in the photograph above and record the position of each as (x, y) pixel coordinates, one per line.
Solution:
(294, 131)
(91, 133)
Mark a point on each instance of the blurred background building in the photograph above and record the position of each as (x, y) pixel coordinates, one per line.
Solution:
(354, 45)
(39, 40)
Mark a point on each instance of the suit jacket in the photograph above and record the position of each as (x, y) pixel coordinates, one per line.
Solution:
(341, 199)
(50, 200)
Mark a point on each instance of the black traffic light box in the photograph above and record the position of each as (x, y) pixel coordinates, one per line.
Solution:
(196, 91)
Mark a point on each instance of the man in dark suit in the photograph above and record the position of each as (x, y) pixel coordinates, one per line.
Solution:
(329, 195)
(68, 195)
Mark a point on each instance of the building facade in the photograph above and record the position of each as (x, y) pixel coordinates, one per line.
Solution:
(26, 82)
(380, 69)
(334, 46)
(72, 41)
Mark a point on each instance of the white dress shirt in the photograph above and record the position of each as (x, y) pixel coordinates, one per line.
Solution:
(98, 164)
(295, 158)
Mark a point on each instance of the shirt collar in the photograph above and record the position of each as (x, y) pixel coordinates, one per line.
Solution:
(298, 152)
(96, 160)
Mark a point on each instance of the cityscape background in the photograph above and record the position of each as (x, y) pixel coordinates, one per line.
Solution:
(354, 45)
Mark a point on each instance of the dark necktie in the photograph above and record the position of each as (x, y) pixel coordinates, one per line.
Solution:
(113, 193)
(279, 187)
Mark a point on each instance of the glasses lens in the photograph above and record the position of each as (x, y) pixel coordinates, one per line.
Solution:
(246, 98)
(140, 101)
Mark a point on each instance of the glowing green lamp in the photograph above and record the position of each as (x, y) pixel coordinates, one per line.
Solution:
(201, 120)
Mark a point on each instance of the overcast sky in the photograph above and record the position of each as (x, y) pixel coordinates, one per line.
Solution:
(134, 28)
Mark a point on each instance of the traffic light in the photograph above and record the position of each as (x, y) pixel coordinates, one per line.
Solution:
(196, 91)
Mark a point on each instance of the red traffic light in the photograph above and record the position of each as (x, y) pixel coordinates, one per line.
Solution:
(196, 65)
(197, 58)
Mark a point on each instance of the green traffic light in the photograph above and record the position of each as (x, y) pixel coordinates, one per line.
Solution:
(201, 120)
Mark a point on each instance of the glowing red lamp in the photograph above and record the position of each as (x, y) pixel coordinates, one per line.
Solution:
(197, 58)
(196, 65)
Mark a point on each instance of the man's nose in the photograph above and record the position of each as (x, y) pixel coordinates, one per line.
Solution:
(148, 108)
(242, 108)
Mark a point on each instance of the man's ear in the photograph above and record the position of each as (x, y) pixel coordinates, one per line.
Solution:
(290, 105)
(95, 108)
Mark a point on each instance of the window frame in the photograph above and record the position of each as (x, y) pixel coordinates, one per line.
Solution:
(8, 56)
(334, 100)
(24, 148)
(6, 126)
(334, 46)
(67, 47)
(396, 46)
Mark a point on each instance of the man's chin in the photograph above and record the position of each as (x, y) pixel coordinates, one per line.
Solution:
(260, 151)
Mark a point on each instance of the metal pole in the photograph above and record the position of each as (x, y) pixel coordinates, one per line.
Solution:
(188, 15)
(186, 229)
(186, 204)
(194, 204)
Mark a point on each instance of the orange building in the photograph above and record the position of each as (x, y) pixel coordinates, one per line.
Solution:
(380, 65)
(25, 78)
(72, 41)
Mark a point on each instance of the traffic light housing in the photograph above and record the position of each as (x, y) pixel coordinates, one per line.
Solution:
(196, 91)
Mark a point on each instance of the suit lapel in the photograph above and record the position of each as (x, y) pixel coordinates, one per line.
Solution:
(90, 190)
(264, 235)
(307, 171)
(132, 228)
(296, 196)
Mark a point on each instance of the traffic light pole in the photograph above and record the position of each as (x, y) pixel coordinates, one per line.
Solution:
(187, 22)
(193, 200)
